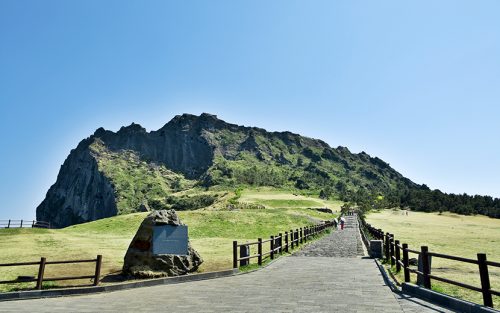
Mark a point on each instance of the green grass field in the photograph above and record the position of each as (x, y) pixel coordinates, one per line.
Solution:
(211, 232)
(450, 234)
(273, 198)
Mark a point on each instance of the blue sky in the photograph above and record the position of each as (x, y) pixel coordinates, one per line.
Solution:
(415, 83)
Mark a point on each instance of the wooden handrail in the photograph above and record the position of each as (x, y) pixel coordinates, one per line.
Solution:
(413, 251)
(24, 224)
(449, 281)
(71, 262)
(451, 257)
(490, 263)
(41, 270)
(68, 278)
(248, 243)
(20, 264)
(277, 246)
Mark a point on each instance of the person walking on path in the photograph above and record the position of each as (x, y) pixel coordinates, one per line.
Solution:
(342, 222)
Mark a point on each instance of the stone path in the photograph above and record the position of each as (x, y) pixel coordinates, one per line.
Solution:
(340, 244)
(311, 281)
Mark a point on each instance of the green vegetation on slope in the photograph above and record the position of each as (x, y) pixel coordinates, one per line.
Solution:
(285, 160)
(137, 181)
(450, 234)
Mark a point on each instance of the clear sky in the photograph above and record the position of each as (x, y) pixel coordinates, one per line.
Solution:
(416, 83)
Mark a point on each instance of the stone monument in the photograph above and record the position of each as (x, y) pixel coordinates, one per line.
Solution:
(161, 248)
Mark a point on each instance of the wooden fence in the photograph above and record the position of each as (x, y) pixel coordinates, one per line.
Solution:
(23, 223)
(277, 244)
(393, 250)
(41, 270)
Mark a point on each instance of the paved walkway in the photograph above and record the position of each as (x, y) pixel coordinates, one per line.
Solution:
(340, 244)
(311, 281)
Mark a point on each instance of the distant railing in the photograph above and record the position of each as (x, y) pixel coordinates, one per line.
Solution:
(277, 244)
(392, 252)
(41, 270)
(23, 223)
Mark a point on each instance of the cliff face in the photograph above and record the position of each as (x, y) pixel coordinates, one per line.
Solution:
(115, 173)
(81, 192)
(85, 191)
(179, 145)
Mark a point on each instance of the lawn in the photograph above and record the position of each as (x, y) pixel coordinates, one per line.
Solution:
(450, 234)
(211, 233)
(273, 198)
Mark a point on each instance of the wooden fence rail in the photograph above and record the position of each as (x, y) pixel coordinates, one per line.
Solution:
(277, 244)
(392, 253)
(41, 270)
(23, 224)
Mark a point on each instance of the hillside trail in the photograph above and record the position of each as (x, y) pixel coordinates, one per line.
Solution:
(339, 244)
(328, 275)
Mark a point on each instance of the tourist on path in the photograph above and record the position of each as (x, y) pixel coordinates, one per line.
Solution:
(342, 222)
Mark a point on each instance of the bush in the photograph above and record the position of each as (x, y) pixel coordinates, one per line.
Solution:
(190, 203)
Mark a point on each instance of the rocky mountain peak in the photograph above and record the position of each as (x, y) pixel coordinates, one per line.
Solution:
(112, 173)
(132, 128)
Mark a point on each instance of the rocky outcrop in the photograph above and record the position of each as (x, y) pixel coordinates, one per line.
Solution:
(141, 262)
(81, 193)
(180, 145)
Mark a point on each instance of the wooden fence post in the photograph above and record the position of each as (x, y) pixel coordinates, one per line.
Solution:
(301, 234)
(41, 271)
(259, 251)
(425, 266)
(391, 246)
(286, 241)
(278, 243)
(398, 256)
(235, 254)
(21, 224)
(98, 263)
(485, 280)
(281, 242)
(406, 263)
(291, 238)
(387, 247)
(272, 248)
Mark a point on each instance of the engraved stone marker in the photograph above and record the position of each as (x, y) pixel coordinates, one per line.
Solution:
(168, 239)
(161, 248)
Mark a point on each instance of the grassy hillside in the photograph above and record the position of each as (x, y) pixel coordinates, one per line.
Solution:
(211, 232)
(450, 234)
(275, 198)
(259, 158)
(136, 181)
